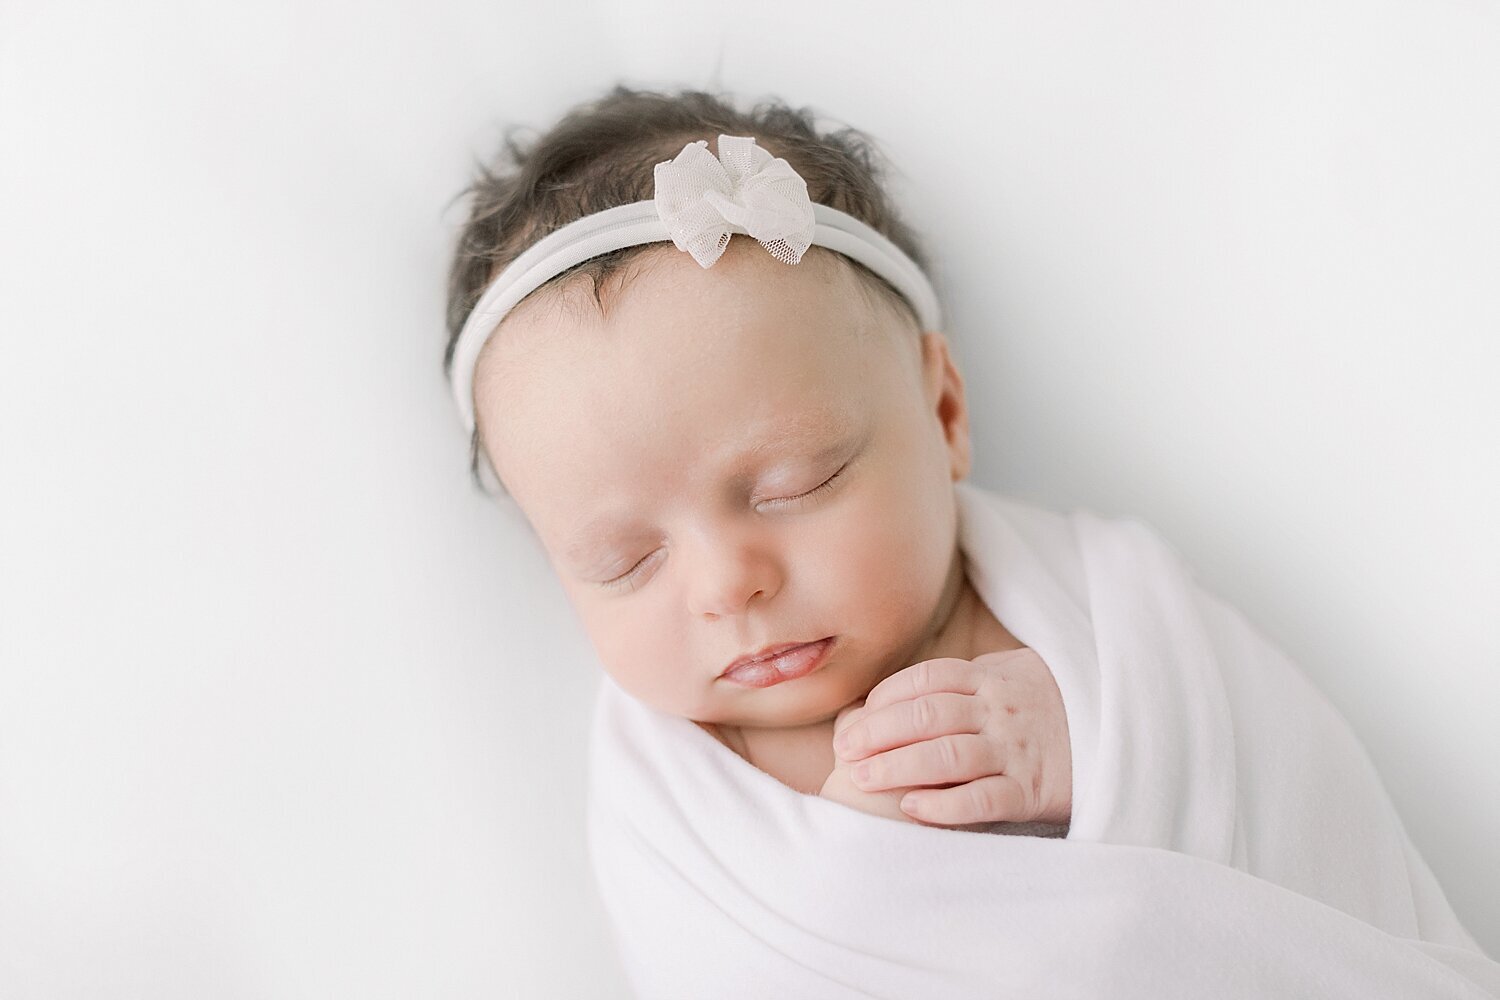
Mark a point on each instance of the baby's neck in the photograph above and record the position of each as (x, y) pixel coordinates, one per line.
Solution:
(964, 627)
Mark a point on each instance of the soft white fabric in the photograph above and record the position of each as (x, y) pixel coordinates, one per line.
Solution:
(1230, 837)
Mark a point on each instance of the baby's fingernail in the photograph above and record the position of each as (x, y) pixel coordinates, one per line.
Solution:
(841, 741)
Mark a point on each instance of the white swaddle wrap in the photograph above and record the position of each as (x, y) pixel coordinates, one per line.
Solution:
(1230, 837)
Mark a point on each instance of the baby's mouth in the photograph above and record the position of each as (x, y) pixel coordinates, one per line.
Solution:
(788, 664)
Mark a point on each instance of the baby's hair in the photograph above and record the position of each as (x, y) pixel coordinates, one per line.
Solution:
(602, 154)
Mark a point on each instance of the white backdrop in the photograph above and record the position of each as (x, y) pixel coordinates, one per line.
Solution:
(286, 710)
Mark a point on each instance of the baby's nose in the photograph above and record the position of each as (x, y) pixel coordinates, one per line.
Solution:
(726, 577)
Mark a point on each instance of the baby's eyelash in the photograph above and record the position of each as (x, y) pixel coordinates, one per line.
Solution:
(634, 571)
(816, 489)
(630, 574)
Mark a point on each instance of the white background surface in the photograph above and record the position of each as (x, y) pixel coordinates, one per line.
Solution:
(286, 710)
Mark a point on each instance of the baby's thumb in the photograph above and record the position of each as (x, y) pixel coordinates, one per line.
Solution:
(847, 715)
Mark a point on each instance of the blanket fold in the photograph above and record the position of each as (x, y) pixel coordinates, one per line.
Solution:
(1230, 836)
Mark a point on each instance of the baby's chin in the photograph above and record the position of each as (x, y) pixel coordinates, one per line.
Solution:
(801, 711)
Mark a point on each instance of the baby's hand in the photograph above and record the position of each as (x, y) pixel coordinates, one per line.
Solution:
(840, 786)
(991, 732)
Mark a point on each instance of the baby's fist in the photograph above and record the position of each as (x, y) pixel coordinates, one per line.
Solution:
(840, 786)
(976, 741)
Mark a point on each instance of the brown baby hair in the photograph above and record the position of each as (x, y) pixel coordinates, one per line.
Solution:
(602, 154)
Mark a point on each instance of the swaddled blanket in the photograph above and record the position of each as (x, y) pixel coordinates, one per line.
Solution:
(1229, 838)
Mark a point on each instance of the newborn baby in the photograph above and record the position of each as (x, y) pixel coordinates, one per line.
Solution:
(743, 477)
(702, 354)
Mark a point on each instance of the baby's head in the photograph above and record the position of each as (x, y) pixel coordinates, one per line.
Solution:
(718, 460)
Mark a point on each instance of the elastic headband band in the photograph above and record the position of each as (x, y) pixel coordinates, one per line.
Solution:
(758, 197)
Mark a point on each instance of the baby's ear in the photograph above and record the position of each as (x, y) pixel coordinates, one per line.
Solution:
(944, 389)
(930, 356)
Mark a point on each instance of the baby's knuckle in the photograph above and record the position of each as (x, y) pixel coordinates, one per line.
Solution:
(921, 675)
(922, 715)
(949, 755)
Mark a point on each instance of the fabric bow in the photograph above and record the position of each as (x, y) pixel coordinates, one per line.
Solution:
(699, 196)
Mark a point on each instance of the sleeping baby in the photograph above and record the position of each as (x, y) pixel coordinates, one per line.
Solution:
(738, 449)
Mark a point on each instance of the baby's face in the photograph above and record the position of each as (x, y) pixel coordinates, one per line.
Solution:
(737, 457)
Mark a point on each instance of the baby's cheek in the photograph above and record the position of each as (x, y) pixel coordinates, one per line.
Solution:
(893, 554)
(643, 653)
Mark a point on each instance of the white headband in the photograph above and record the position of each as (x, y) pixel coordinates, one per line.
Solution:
(699, 201)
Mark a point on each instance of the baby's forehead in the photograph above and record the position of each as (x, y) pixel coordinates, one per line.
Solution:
(680, 354)
(668, 313)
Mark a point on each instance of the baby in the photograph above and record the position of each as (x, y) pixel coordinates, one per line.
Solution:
(743, 474)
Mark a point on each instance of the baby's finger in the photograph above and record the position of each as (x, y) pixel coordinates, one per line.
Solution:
(996, 798)
(946, 673)
(846, 715)
(907, 722)
(941, 761)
